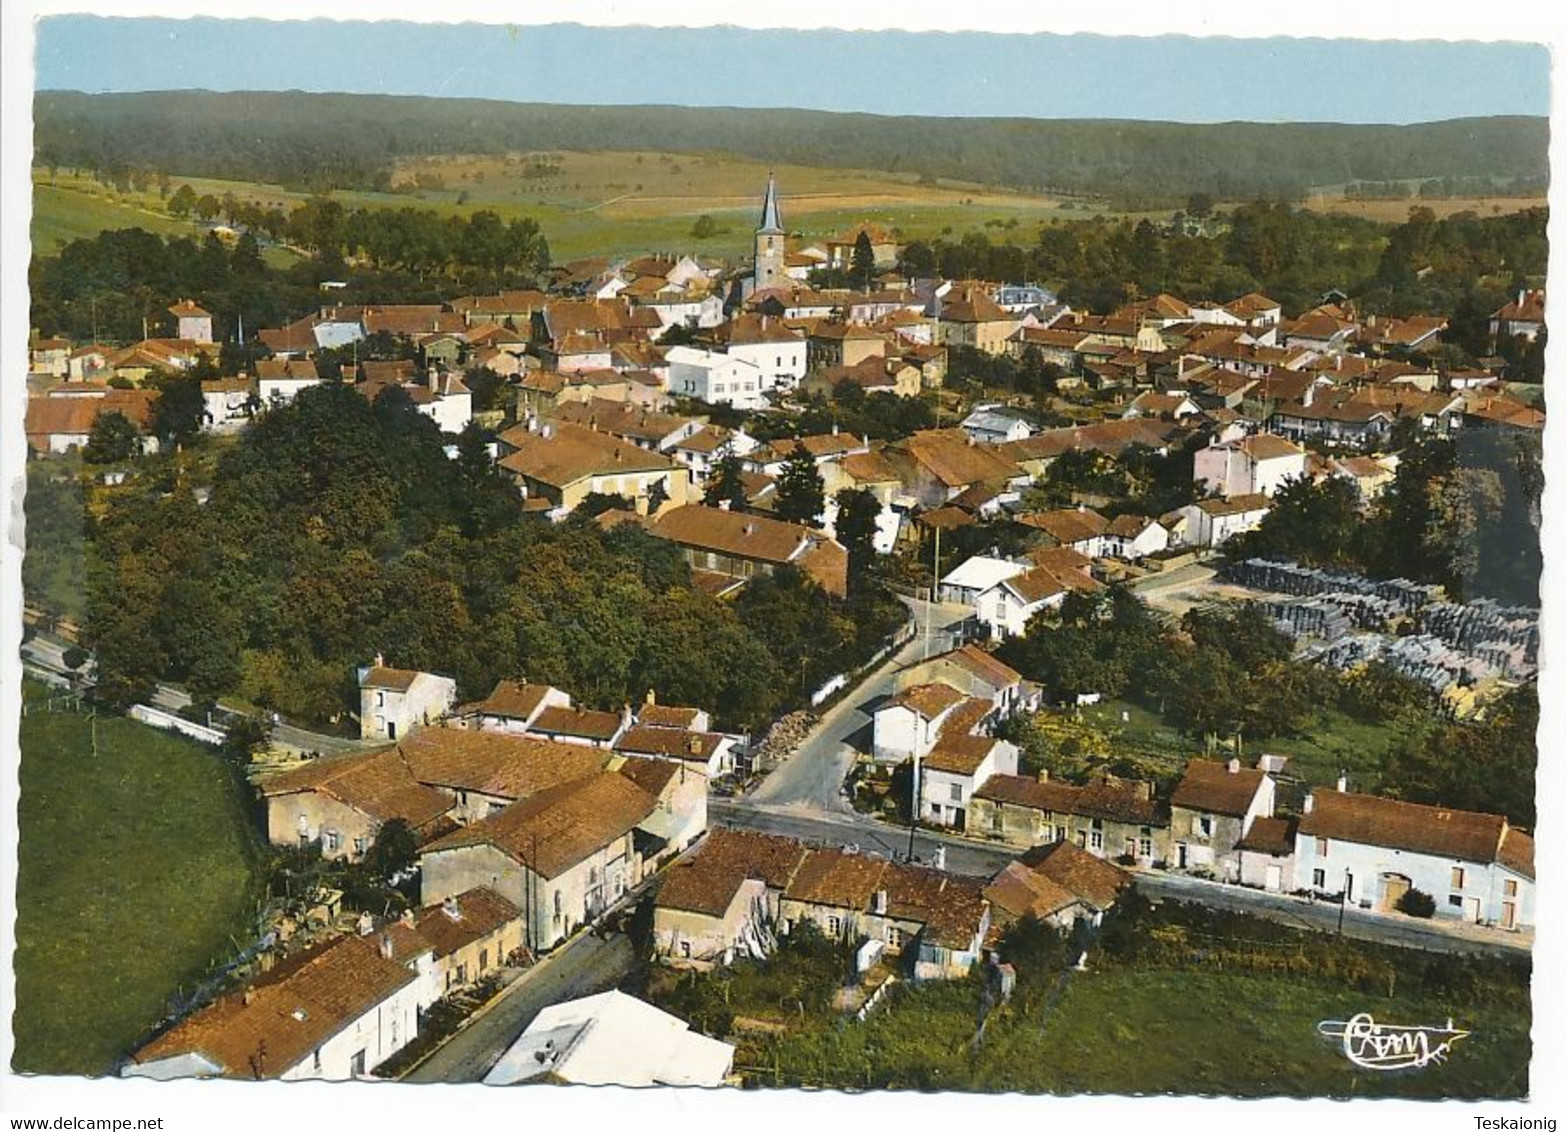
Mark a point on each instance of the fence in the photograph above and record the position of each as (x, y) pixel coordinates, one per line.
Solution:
(155, 717)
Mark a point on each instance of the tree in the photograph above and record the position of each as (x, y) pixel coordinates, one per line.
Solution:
(181, 202)
(74, 657)
(802, 496)
(705, 228)
(113, 438)
(1199, 205)
(395, 850)
(858, 512)
(207, 207)
(179, 411)
(862, 267)
(726, 484)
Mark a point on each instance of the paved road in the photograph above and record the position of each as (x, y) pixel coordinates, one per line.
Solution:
(586, 965)
(811, 779)
(980, 859)
(49, 654)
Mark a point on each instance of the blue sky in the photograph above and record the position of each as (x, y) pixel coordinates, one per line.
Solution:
(958, 74)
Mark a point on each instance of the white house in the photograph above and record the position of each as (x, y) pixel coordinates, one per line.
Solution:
(227, 404)
(1134, 536)
(995, 424)
(909, 722)
(394, 701)
(612, 1039)
(1209, 522)
(334, 1014)
(1007, 607)
(282, 379)
(962, 759)
(977, 575)
(767, 343)
(512, 706)
(1253, 465)
(1374, 850)
(718, 379)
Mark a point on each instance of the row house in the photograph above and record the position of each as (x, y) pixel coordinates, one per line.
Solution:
(1107, 817)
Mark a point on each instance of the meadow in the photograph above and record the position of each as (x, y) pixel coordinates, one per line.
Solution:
(137, 871)
(615, 203)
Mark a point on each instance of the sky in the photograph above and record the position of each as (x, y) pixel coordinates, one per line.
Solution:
(1169, 78)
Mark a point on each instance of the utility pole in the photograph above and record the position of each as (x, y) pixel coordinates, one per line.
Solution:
(1344, 900)
(914, 803)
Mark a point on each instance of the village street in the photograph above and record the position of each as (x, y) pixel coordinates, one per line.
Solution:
(810, 781)
(585, 965)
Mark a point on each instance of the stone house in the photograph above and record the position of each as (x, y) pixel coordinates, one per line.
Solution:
(1057, 883)
(1107, 817)
(738, 545)
(1212, 810)
(564, 856)
(961, 759)
(722, 902)
(1267, 855)
(394, 701)
(1255, 465)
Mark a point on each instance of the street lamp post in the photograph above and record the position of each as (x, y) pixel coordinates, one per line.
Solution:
(914, 802)
(1343, 900)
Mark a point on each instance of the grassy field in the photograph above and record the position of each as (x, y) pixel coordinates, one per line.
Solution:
(1397, 211)
(1145, 1032)
(136, 868)
(617, 203)
(75, 209)
(1333, 743)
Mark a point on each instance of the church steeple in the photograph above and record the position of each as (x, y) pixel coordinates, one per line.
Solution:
(769, 265)
(770, 223)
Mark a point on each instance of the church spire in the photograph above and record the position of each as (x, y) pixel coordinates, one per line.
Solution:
(770, 221)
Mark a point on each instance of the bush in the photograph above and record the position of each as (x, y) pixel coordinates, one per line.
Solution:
(74, 657)
(1418, 904)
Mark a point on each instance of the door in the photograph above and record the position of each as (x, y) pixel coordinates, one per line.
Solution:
(391, 730)
(1472, 909)
(1273, 880)
(1180, 855)
(1509, 915)
(357, 1066)
(1393, 889)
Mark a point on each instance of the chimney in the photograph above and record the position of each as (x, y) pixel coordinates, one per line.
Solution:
(386, 945)
(749, 528)
(879, 902)
(450, 909)
(407, 917)
(1306, 806)
(249, 996)
(366, 923)
(1234, 766)
(379, 660)
(651, 699)
(1343, 782)
(1044, 774)
(694, 745)
(723, 504)
(546, 431)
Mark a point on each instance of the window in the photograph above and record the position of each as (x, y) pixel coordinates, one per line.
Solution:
(560, 905)
(834, 925)
(1319, 878)
(360, 845)
(1145, 847)
(1458, 877)
(462, 973)
(1204, 826)
(1322, 846)
(956, 792)
(462, 797)
(1455, 901)
(484, 960)
(685, 949)
(1509, 888)
(329, 840)
(315, 1061)
(995, 820)
(1049, 832)
(1096, 839)
(380, 699)
(894, 936)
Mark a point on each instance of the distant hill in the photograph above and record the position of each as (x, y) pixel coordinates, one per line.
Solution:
(351, 140)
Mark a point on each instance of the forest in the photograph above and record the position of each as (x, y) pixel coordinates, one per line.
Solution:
(337, 528)
(327, 141)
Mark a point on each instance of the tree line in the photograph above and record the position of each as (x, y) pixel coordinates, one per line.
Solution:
(324, 141)
(337, 528)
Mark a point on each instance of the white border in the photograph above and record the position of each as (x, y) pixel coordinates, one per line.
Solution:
(225, 1105)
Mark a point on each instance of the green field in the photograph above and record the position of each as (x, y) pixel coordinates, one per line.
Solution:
(136, 871)
(1144, 1032)
(77, 210)
(1333, 743)
(606, 204)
